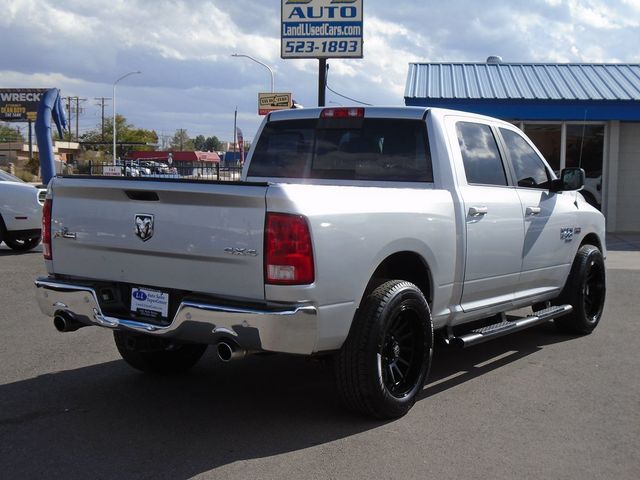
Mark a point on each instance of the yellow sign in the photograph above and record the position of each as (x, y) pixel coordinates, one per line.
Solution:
(268, 102)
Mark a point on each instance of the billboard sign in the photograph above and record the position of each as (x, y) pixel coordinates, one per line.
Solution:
(268, 102)
(321, 29)
(19, 104)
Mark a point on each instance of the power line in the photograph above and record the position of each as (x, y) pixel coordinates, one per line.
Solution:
(339, 94)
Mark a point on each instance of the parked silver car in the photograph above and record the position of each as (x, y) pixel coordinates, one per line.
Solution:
(20, 212)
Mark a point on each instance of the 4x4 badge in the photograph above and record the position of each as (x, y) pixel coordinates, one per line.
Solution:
(566, 234)
(144, 226)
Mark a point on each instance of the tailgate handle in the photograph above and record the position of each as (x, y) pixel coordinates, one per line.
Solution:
(142, 195)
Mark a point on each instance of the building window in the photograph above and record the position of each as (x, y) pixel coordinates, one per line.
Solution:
(584, 147)
(585, 144)
(548, 139)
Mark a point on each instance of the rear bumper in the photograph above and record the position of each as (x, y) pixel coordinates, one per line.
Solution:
(287, 329)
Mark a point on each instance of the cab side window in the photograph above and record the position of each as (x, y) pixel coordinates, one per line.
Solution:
(480, 154)
(530, 170)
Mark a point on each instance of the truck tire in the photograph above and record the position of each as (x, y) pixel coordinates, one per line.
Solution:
(155, 355)
(21, 245)
(384, 363)
(585, 290)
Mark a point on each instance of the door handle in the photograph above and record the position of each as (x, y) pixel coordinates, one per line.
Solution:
(477, 211)
(533, 211)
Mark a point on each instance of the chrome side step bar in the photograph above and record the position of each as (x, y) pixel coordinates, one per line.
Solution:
(506, 327)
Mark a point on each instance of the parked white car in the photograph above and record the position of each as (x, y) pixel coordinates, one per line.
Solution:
(20, 212)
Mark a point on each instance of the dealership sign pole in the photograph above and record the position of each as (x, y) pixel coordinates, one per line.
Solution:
(321, 29)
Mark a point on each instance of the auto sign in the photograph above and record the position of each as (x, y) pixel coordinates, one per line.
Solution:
(321, 29)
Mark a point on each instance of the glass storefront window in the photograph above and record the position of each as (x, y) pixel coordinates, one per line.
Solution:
(585, 152)
(585, 146)
(547, 138)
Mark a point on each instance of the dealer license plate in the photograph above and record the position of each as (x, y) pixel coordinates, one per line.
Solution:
(150, 303)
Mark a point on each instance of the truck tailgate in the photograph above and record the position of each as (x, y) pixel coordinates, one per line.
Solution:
(205, 237)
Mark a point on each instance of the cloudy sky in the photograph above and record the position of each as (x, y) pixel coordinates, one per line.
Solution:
(190, 80)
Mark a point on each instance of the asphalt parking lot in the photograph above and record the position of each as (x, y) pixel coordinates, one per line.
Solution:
(534, 405)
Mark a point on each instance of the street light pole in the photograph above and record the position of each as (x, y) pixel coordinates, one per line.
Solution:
(257, 61)
(114, 109)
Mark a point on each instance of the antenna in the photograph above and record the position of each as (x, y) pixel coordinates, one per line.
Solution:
(584, 126)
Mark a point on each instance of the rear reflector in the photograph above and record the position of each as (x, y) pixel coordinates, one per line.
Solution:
(342, 113)
(288, 250)
(46, 229)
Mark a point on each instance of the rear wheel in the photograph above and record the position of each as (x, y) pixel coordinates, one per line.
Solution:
(21, 245)
(585, 290)
(384, 362)
(155, 355)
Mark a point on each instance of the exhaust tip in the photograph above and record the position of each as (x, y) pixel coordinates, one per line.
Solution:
(225, 351)
(60, 323)
(64, 322)
(230, 351)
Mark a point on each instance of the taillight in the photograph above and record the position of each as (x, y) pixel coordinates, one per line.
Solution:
(355, 112)
(46, 229)
(288, 250)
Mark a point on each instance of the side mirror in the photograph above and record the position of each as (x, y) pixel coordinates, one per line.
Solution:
(571, 178)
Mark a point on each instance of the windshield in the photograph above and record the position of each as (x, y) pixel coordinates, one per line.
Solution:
(349, 149)
(7, 177)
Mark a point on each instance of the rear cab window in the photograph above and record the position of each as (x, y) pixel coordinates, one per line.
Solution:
(480, 155)
(344, 149)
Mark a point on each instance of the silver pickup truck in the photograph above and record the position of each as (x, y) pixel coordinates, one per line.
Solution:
(354, 232)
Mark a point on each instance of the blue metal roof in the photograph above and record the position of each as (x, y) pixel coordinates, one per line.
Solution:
(529, 91)
(524, 81)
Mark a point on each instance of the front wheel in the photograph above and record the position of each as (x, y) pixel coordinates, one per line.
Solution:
(21, 245)
(154, 355)
(384, 362)
(585, 290)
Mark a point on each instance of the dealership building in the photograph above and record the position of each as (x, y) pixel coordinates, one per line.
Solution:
(577, 114)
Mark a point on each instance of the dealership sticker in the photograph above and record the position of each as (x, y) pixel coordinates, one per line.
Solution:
(149, 302)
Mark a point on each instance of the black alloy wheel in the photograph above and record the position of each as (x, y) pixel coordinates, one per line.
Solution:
(384, 363)
(585, 290)
(594, 290)
(402, 352)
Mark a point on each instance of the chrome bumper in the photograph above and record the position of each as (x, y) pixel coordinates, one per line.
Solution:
(288, 329)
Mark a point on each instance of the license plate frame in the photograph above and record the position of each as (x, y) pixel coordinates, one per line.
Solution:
(149, 302)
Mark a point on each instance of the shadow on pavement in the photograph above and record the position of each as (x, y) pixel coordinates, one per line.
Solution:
(7, 252)
(453, 366)
(108, 421)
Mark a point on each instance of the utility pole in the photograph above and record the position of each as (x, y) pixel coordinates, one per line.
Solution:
(102, 104)
(78, 100)
(164, 140)
(235, 130)
(77, 109)
(69, 114)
